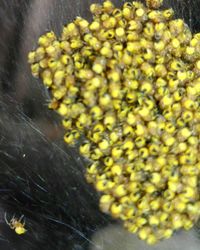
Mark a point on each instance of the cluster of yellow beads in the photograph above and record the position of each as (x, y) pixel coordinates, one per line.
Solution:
(129, 83)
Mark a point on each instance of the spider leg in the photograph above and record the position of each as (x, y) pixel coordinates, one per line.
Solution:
(20, 219)
(5, 217)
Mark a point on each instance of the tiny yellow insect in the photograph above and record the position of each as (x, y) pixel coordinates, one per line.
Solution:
(16, 224)
(154, 4)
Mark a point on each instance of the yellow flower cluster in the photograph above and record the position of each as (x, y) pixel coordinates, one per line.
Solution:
(129, 83)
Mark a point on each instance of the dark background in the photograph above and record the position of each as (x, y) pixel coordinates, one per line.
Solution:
(40, 176)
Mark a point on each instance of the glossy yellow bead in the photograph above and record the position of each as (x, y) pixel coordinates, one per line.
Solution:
(85, 149)
(134, 25)
(20, 230)
(31, 57)
(144, 112)
(147, 69)
(93, 168)
(106, 199)
(182, 146)
(151, 240)
(198, 64)
(189, 104)
(168, 207)
(193, 140)
(63, 110)
(114, 76)
(154, 149)
(132, 186)
(184, 133)
(166, 101)
(168, 13)
(131, 118)
(131, 154)
(169, 141)
(140, 221)
(132, 228)
(128, 145)
(155, 204)
(116, 152)
(182, 75)
(187, 116)
(43, 63)
(116, 209)
(155, 178)
(101, 185)
(128, 130)
(105, 100)
(114, 136)
(82, 23)
(194, 208)
(153, 220)
(59, 77)
(175, 43)
(140, 12)
(161, 70)
(76, 44)
(120, 32)
(187, 224)
(35, 69)
(43, 41)
(177, 95)
(189, 192)
(167, 233)
(108, 6)
(116, 169)
(120, 191)
(140, 130)
(67, 123)
(70, 137)
(173, 186)
(96, 112)
(134, 197)
(129, 213)
(107, 52)
(133, 47)
(131, 97)
(177, 221)
(140, 142)
(190, 50)
(144, 233)
(180, 206)
(94, 25)
(149, 55)
(150, 188)
(109, 121)
(108, 161)
(170, 128)
(163, 217)
(143, 153)
(180, 123)
(127, 13)
(159, 46)
(98, 128)
(103, 145)
(97, 68)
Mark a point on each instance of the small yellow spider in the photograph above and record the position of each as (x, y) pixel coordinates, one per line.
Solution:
(16, 224)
